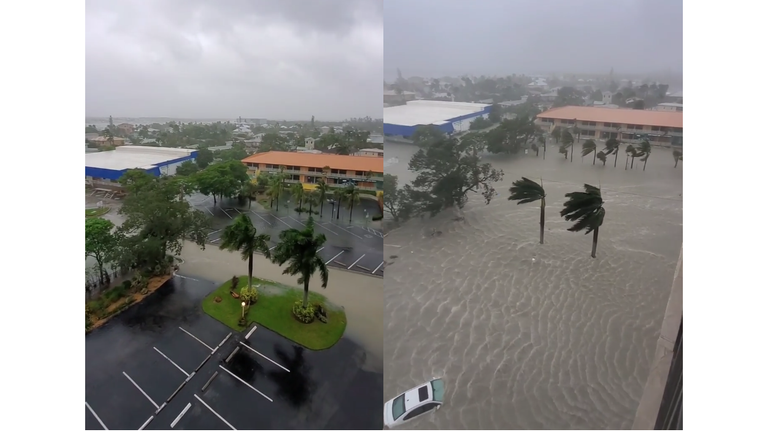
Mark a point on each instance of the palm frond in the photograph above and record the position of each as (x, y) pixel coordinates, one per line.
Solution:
(584, 208)
(526, 191)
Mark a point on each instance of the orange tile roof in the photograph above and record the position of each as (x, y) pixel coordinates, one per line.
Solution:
(314, 160)
(616, 115)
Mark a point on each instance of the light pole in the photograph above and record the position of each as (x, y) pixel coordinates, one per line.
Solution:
(242, 316)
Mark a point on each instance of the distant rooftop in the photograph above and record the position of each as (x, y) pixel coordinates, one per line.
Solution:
(312, 160)
(621, 116)
(429, 112)
(130, 157)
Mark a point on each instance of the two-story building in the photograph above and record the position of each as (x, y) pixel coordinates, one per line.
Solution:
(664, 128)
(309, 168)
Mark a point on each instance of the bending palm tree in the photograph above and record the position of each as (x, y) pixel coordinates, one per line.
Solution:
(630, 151)
(297, 191)
(322, 191)
(645, 148)
(242, 236)
(612, 148)
(542, 143)
(601, 155)
(678, 155)
(527, 191)
(338, 195)
(588, 147)
(586, 208)
(557, 134)
(311, 198)
(351, 197)
(567, 139)
(249, 190)
(299, 249)
(274, 190)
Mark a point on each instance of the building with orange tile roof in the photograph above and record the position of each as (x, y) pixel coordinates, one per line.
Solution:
(308, 168)
(659, 127)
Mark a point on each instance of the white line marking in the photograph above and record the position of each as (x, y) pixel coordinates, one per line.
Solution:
(336, 256)
(195, 338)
(377, 268)
(298, 221)
(181, 414)
(273, 247)
(97, 417)
(215, 240)
(209, 211)
(349, 232)
(223, 340)
(142, 391)
(238, 210)
(185, 277)
(177, 366)
(353, 264)
(286, 223)
(214, 232)
(225, 212)
(147, 422)
(215, 413)
(333, 232)
(260, 217)
(273, 362)
(241, 380)
(250, 332)
(321, 248)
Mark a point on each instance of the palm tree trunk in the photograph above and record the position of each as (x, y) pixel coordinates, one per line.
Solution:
(306, 292)
(632, 165)
(250, 271)
(594, 158)
(572, 144)
(277, 202)
(249, 202)
(594, 241)
(338, 211)
(645, 162)
(541, 222)
(310, 208)
(351, 205)
(544, 156)
(616, 158)
(322, 203)
(214, 199)
(626, 162)
(676, 163)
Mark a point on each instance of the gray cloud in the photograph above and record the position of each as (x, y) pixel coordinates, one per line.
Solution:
(279, 59)
(501, 37)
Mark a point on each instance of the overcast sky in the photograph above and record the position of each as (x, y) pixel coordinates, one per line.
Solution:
(502, 37)
(281, 59)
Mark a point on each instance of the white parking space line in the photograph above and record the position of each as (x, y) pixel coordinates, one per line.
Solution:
(377, 268)
(238, 210)
(142, 391)
(296, 220)
(215, 413)
(273, 362)
(356, 261)
(332, 231)
(215, 240)
(185, 277)
(181, 414)
(286, 223)
(209, 211)
(241, 380)
(250, 332)
(321, 248)
(334, 257)
(214, 232)
(146, 422)
(262, 218)
(195, 338)
(273, 247)
(97, 417)
(343, 229)
(225, 212)
(177, 366)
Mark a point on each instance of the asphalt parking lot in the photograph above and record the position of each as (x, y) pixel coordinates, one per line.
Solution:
(164, 364)
(353, 247)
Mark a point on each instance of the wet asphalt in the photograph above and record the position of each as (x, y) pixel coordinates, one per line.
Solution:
(137, 361)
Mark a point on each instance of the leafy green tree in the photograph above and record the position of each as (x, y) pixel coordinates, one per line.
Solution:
(612, 148)
(396, 201)
(157, 220)
(323, 190)
(527, 191)
(273, 142)
(187, 168)
(204, 158)
(588, 147)
(107, 133)
(101, 242)
(91, 129)
(222, 179)
(511, 136)
(568, 96)
(249, 191)
(424, 136)
(298, 193)
(586, 208)
(567, 142)
(242, 236)
(677, 155)
(236, 154)
(299, 248)
(447, 171)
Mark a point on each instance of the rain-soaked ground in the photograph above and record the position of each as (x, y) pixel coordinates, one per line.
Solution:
(153, 358)
(532, 336)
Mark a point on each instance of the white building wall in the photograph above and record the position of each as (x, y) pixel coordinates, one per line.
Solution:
(463, 125)
(171, 169)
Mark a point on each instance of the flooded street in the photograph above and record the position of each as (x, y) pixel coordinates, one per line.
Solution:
(532, 336)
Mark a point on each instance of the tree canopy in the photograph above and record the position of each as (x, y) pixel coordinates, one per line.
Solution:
(222, 179)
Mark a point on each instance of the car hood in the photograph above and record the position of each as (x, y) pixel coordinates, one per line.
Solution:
(388, 420)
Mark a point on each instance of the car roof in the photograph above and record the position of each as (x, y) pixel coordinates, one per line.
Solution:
(414, 397)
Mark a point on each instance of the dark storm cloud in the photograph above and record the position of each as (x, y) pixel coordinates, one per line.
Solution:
(280, 59)
(449, 37)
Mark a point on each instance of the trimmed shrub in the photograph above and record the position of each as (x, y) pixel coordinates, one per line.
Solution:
(303, 314)
(127, 285)
(249, 296)
(235, 281)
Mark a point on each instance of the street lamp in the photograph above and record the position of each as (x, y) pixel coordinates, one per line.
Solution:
(243, 314)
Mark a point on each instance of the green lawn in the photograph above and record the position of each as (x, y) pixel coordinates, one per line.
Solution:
(273, 311)
(89, 213)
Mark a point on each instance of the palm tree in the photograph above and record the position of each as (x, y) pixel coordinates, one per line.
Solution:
(242, 236)
(338, 196)
(299, 249)
(297, 192)
(678, 155)
(645, 149)
(535, 148)
(588, 147)
(107, 133)
(586, 208)
(612, 148)
(351, 197)
(542, 143)
(630, 151)
(274, 189)
(601, 155)
(564, 150)
(249, 190)
(557, 134)
(526, 191)
(322, 191)
(567, 139)
(577, 132)
(311, 198)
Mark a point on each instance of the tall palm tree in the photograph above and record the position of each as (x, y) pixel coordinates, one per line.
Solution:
(299, 248)
(323, 191)
(588, 147)
(601, 155)
(631, 152)
(645, 149)
(274, 189)
(612, 148)
(311, 198)
(557, 134)
(242, 236)
(586, 208)
(577, 132)
(351, 197)
(542, 143)
(567, 140)
(527, 191)
(678, 155)
(338, 196)
(249, 190)
(297, 192)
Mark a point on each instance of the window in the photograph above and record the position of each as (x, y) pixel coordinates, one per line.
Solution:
(548, 120)
(655, 128)
(398, 407)
(438, 390)
(360, 173)
(588, 123)
(677, 130)
(420, 410)
(610, 125)
(335, 171)
(423, 393)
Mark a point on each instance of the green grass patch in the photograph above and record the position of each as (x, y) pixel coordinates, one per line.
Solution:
(273, 311)
(101, 211)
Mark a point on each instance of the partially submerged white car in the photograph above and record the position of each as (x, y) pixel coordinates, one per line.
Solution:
(413, 403)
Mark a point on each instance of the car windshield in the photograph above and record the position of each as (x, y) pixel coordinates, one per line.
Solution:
(438, 390)
(398, 406)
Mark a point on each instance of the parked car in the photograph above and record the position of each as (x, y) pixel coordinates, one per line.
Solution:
(414, 402)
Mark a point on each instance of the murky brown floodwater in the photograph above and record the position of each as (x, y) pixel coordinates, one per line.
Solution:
(532, 336)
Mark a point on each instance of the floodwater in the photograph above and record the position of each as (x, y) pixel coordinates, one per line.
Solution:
(532, 336)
